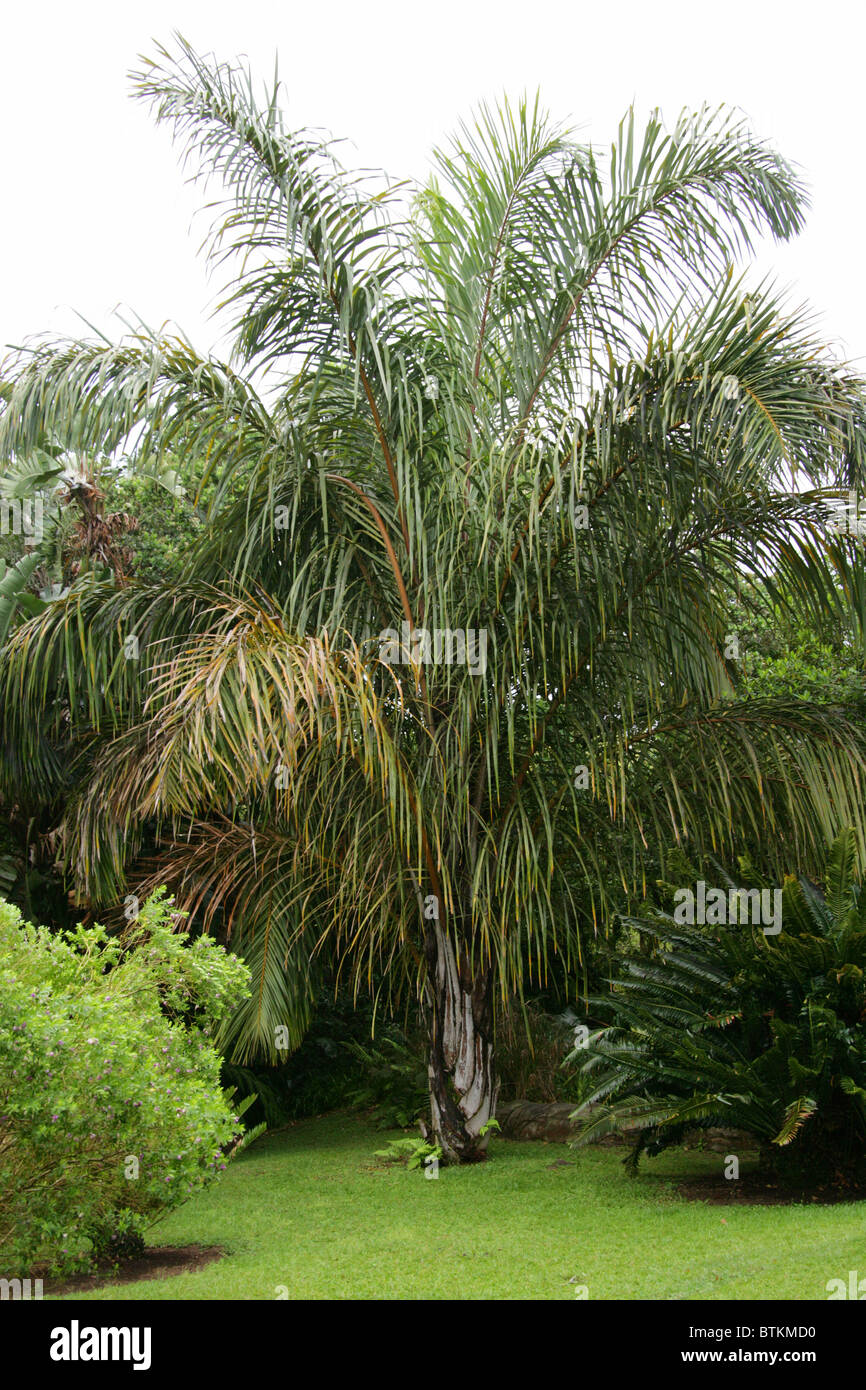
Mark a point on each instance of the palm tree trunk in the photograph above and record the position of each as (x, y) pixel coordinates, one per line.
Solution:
(462, 1079)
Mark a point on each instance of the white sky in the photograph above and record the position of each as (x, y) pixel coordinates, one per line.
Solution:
(95, 213)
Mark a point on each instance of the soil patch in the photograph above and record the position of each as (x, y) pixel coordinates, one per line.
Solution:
(158, 1262)
(758, 1190)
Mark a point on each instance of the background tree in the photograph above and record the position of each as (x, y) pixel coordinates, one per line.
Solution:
(63, 514)
(533, 402)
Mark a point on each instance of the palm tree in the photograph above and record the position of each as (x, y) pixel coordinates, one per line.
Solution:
(488, 460)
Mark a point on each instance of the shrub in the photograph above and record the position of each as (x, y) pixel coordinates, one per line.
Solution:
(394, 1087)
(111, 1111)
(349, 1057)
(735, 1028)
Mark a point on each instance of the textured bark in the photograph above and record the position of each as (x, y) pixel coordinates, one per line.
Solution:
(462, 1078)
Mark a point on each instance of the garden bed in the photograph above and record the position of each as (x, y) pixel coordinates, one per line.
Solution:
(158, 1262)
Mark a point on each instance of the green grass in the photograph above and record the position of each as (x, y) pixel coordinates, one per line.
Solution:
(309, 1209)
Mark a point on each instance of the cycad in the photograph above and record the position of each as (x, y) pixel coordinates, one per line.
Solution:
(531, 403)
(737, 1028)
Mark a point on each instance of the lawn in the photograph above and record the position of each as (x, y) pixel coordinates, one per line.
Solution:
(311, 1213)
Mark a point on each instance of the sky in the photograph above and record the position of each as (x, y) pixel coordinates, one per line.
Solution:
(96, 217)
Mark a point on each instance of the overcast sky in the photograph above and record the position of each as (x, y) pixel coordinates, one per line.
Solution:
(96, 215)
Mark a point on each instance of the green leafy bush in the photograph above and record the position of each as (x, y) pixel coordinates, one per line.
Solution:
(394, 1087)
(338, 1064)
(731, 1027)
(111, 1111)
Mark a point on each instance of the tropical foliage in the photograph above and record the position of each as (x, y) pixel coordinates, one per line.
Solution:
(781, 657)
(741, 1029)
(529, 405)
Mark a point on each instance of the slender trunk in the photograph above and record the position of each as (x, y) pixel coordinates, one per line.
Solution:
(462, 1078)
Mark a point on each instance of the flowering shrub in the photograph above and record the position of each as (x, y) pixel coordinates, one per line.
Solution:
(111, 1111)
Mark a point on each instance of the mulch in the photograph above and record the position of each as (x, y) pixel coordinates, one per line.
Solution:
(757, 1190)
(159, 1262)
